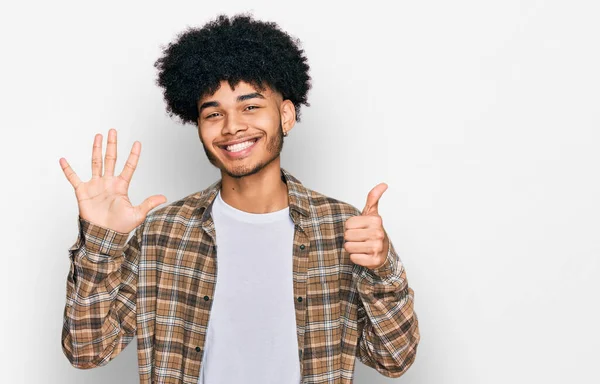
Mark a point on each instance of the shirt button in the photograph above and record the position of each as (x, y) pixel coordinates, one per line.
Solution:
(302, 246)
(300, 299)
(206, 298)
(197, 349)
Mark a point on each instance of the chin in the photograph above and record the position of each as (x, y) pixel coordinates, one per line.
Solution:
(239, 171)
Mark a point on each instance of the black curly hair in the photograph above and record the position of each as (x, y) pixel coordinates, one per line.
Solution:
(231, 49)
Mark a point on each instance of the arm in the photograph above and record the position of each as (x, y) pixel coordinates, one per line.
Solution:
(388, 327)
(100, 310)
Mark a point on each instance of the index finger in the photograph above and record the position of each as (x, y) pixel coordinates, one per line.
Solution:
(131, 162)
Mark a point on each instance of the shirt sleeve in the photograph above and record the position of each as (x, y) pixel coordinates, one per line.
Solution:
(99, 316)
(388, 327)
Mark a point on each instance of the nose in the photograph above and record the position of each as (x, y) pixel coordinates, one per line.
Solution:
(233, 124)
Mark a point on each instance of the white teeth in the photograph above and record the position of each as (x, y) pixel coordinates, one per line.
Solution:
(240, 146)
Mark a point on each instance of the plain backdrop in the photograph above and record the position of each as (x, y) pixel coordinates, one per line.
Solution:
(481, 116)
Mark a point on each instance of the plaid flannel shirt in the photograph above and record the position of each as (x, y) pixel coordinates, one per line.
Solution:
(159, 284)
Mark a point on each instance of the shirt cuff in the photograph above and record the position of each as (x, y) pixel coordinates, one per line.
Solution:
(99, 240)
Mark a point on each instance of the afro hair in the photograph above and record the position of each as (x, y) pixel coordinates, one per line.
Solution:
(231, 49)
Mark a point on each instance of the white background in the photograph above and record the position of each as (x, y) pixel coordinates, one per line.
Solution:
(481, 116)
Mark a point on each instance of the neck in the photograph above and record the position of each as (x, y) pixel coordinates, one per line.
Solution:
(262, 192)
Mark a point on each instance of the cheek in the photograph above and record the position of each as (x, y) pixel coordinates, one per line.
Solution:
(205, 137)
(268, 122)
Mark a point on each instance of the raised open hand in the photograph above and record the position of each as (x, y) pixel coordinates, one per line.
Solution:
(103, 200)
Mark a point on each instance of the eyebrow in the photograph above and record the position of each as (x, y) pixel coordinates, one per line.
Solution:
(254, 95)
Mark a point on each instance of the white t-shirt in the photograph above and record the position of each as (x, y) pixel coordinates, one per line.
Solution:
(251, 335)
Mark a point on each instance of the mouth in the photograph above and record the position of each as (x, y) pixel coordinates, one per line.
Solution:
(240, 149)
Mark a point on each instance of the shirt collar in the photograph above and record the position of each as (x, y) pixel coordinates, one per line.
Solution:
(298, 196)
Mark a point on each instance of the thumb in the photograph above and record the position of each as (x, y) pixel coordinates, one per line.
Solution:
(150, 203)
(373, 197)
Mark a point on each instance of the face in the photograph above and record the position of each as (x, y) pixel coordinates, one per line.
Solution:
(255, 117)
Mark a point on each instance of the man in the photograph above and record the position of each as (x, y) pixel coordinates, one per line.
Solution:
(256, 279)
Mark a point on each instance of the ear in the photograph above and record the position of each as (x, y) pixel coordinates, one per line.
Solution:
(288, 115)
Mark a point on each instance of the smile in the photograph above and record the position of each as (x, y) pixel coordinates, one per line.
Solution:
(240, 149)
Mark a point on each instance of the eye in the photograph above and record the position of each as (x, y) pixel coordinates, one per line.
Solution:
(251, 106)
(211, 115)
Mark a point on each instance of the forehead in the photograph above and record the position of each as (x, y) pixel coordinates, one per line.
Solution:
(225, 93)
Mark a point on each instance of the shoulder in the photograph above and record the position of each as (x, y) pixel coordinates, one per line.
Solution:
(182, 211)
(323, 206)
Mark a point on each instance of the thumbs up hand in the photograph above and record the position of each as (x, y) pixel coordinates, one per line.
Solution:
(366, 240)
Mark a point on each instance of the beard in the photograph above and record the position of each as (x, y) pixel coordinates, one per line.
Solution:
(274, 147)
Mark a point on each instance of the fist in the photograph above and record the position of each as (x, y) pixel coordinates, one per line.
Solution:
(365, 239)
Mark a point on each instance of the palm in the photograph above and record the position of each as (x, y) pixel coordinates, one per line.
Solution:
(104, 200)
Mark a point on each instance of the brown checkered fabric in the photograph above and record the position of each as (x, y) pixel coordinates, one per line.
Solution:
(158, 285)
